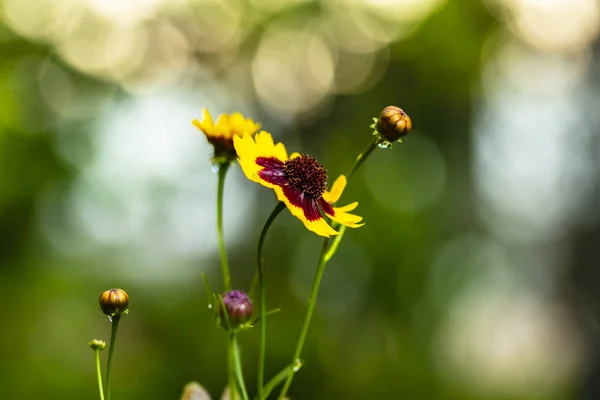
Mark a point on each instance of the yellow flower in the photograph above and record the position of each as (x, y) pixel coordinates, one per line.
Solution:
(221, 135)
(299, 181)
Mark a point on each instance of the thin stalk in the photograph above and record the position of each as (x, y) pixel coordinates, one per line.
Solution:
(262, 296)
(362, 157)
(99, 374)
(231, 369)
(238, 366)
(335, 244)
(223, 168)
(357, 164)
(324, 257)
(312, 301)
(113, 339)
(279, 378)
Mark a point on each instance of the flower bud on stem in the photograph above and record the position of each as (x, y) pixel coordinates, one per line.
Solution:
(234, 310)
(98, 346)
(393, 123)
(114, 303)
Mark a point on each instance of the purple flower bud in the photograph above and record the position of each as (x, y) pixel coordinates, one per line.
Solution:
(239, 308)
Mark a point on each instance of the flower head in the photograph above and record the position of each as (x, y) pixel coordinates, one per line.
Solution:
(239, 307)
(299, 181)
(114, 302)
(227, 127)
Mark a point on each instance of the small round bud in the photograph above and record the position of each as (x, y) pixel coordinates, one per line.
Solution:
(194, 391)
(239, 308)
(393, 123)
(97, 344)
(114, 302)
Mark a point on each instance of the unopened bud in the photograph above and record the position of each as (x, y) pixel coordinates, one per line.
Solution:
(393, 123)
(239, 308)
(114, 302)
(96, 344)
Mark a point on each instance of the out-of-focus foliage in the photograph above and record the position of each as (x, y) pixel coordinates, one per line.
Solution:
(474, 277)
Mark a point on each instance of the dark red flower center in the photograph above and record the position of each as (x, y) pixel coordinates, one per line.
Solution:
(306, 174)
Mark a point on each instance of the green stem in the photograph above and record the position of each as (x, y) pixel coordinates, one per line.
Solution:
(223, 168)
(279, 378)
(113, 339)
(335, 244)
(357, 164)
(238, 366)
(262, 296)
(99, 374)
(231, 369)
(312, 301)
(324, 257)
(362, 157)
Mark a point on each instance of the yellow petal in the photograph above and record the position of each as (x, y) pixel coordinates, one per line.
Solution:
(249, 126)
(266, 147)
(223, 128)
(264, 142)
(206, 125)
(206, 118)
(198, 125)
(341, 216)
(252, 126)
(237, 123)
(350, 220)
(320, 226)
(294, 155)
(280, 153)
(248, 152)
(349, 207)
(336, 190)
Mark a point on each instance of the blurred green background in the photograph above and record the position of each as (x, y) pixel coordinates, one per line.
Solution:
(475, 276)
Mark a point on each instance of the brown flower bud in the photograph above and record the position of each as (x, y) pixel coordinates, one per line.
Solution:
(393, 123)
(114, 302)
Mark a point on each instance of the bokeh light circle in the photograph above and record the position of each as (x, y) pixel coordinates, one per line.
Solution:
(419, 172)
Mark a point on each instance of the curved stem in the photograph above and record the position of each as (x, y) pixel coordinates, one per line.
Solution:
(262, 296)
(113, 339)
(362, 157)
(357, 164)
(279, 378)
(99, 374)
(312, 301)
(324, 257)
(223, 168)
(238, 366)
